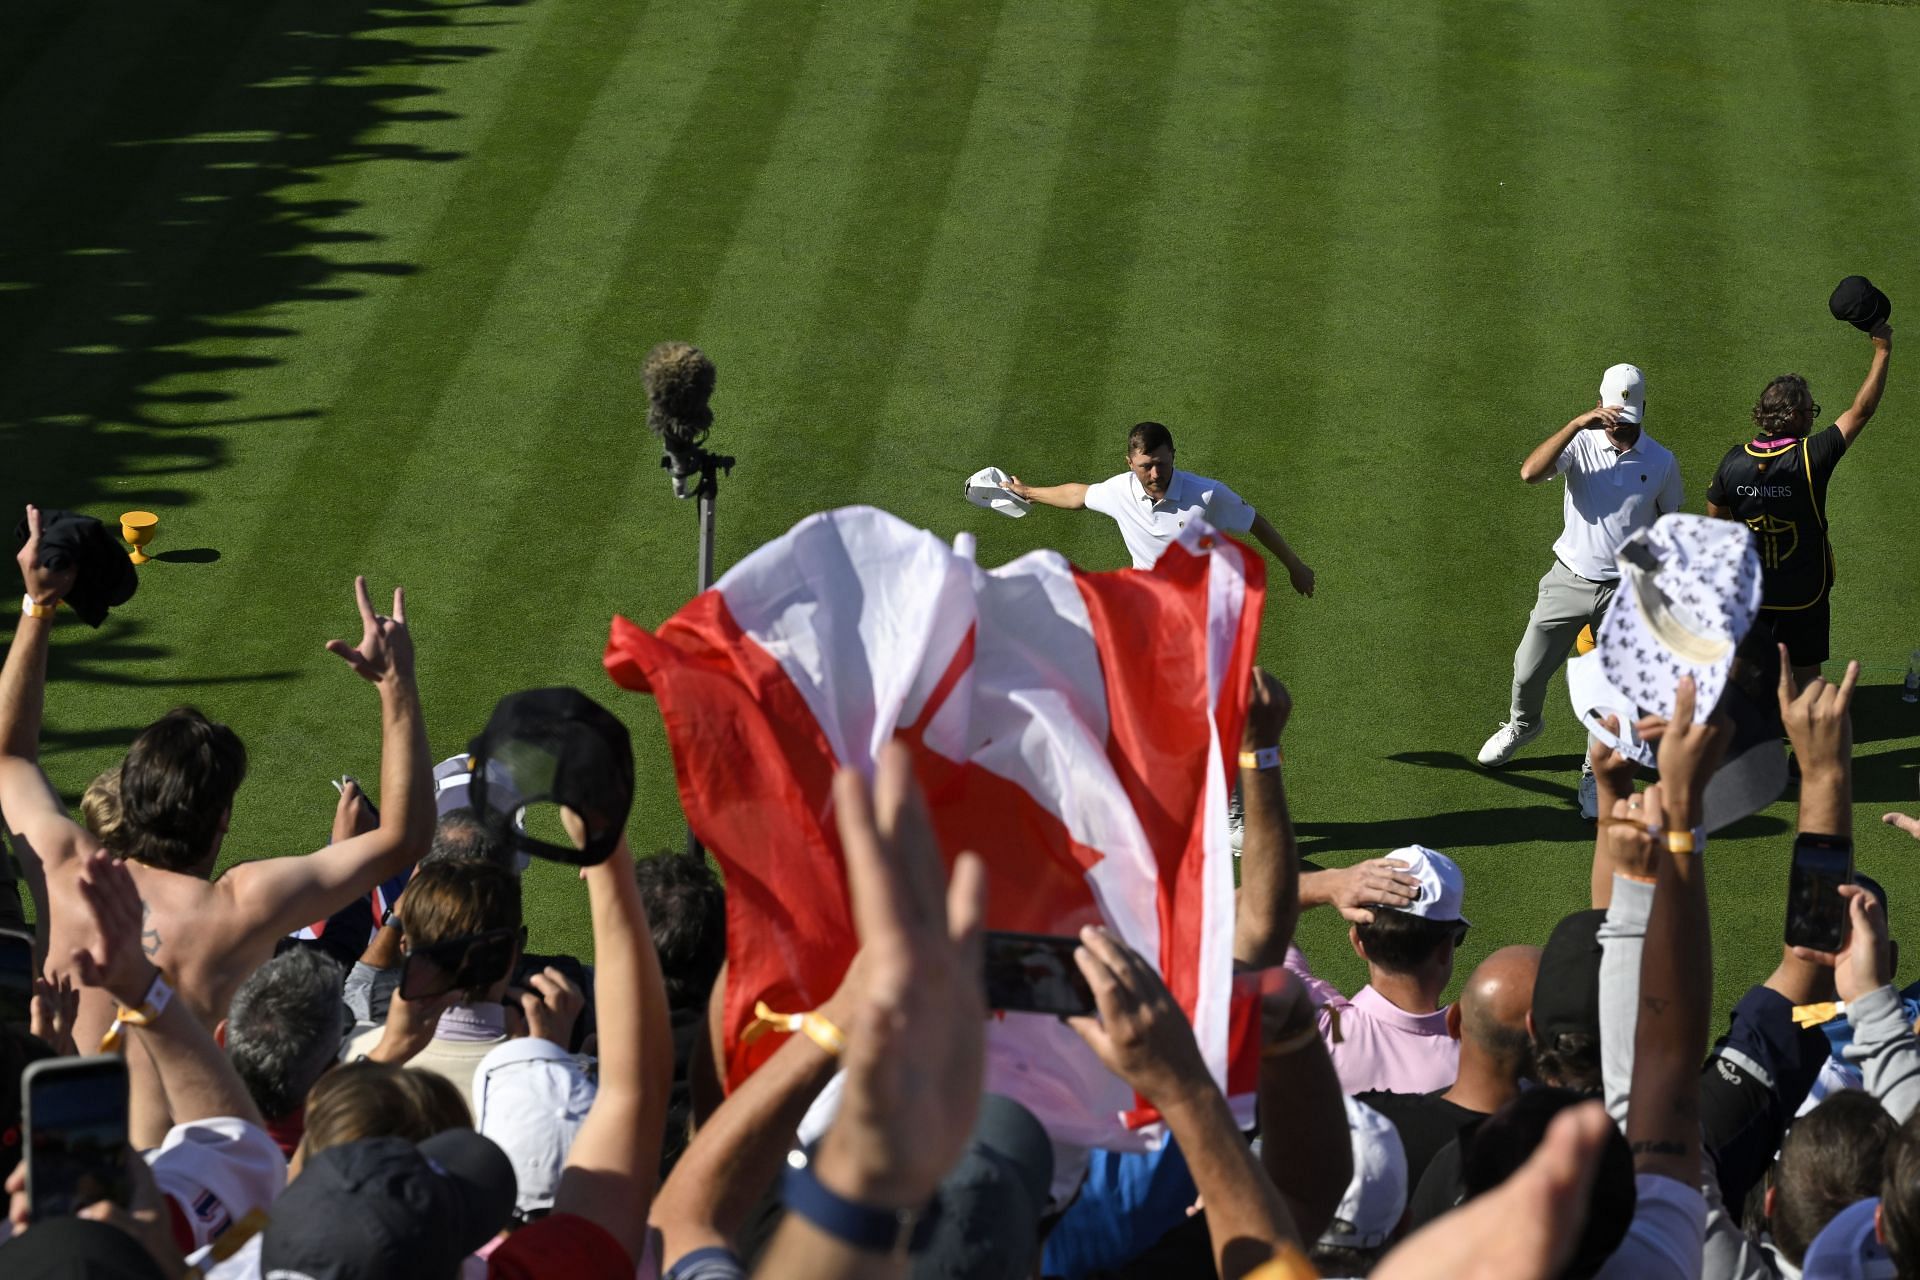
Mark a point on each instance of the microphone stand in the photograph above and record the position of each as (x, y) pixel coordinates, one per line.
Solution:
(689, 461)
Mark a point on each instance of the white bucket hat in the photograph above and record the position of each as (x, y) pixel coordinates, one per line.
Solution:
(1689, 590)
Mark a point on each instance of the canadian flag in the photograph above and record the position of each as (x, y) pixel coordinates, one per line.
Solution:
(1075, 729)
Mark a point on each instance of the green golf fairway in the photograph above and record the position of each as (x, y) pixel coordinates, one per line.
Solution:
(340, 288)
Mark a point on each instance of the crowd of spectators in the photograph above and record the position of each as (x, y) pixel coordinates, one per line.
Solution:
(346, 1064)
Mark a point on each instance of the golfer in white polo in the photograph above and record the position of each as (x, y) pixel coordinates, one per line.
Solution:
(1619, 481)
(1151, 501)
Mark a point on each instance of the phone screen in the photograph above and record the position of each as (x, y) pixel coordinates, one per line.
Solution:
(76, 1134)
(1035, 973)
(16, 977)
(1816, 913)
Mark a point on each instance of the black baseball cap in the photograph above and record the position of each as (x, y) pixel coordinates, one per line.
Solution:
(1859, 303)
(1566, 992)
(76, 1249)
(385, 1209)
(992, 1202)
(556, 748)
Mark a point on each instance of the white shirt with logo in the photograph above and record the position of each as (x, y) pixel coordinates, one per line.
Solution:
(1611, 495)
(1148, 526)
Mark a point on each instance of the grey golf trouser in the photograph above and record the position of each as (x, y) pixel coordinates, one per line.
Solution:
(1566, 603)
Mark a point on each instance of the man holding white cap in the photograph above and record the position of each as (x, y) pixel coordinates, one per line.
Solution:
(1393, 1035)
(1152, 501)
(1619, 481)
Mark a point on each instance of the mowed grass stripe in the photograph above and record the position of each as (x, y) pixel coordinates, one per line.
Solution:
(979, 264)
(855, 338)
(1046, 424)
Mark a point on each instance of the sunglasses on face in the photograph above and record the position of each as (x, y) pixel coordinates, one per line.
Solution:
(473, 962)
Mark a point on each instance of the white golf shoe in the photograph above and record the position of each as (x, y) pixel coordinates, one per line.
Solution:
(1506, 740)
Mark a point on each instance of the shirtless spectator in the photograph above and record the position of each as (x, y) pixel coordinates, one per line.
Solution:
(176, 793)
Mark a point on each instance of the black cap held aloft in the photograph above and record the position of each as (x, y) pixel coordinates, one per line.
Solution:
(557, 748)
(1860, 304)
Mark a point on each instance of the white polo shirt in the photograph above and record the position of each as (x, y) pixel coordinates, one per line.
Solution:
(1611, 495)
(1148, 526)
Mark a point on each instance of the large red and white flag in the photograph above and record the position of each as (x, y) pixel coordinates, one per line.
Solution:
(1075, 729)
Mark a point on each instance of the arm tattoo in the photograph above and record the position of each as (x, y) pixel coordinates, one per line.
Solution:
(149, 935)
(1656, 1005)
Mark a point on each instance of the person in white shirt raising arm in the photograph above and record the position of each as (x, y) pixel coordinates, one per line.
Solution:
(1619, 481)
(1152, 501)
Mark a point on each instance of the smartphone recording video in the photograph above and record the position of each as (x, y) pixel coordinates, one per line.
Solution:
(76, 1134)
(1816, 913)
(1035, 973)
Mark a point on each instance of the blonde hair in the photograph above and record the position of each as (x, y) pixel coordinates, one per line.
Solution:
(378, 1100)
(100, 808)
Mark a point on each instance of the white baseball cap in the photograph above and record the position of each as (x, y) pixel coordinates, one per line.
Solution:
(217, 1171)
(987, 488)
(1377, 1194)
(1689, 590)
(531, 1097)
(1848, 1248)
(1624, 387)
(1441, 884)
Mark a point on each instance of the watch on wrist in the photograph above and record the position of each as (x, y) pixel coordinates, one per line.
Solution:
(894, 1232)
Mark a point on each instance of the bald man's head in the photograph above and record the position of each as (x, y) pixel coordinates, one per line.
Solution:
(1495, 1001)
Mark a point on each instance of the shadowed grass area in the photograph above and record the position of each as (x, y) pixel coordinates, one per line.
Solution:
(364, 288)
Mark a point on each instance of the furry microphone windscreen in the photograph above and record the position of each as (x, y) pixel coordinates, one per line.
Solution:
(678, 378)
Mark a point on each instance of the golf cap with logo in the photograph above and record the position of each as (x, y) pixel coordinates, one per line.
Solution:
(385, 1209)
(1689, 591)
(556, 748)
(1624, 387)
(217, 1171)
(1377, 1194)
(987, 488)
(452, 792)
(1441, 884)
(1848, 1248)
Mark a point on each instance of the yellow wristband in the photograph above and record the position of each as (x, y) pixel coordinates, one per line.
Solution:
(1680, 842)
(159, 995)
(813, 1026)
(33, 609)
(1262, 758)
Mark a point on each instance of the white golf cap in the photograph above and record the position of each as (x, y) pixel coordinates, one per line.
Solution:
(1377, 1194)
(1624, 387)
(1689, 590)
(217, 1171)
(531, 1097)
(987, 488)
(1441, 884)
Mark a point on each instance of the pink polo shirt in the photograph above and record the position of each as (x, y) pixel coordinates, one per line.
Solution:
(1375, 1044)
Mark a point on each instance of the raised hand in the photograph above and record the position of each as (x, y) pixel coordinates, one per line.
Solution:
(1141, 1034)
(552, 1004)
(916, 1045)
(1629, 837)
(1269, 707)
(1377, 882)
(1614, 771)
(46, 586)
(1818, 718)
(1689, 753)
(385, 652)
(1865, 962)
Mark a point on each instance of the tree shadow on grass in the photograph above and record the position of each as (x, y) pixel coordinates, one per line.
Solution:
(153, 219)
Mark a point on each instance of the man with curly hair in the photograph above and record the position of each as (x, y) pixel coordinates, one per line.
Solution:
(1777, 483)
(1152, 501)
